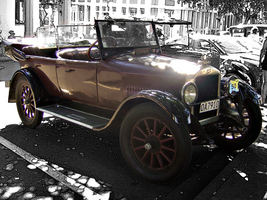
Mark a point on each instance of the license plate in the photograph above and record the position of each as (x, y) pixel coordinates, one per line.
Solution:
(209, 105)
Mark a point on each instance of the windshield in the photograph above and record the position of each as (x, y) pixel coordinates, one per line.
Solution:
(76, 35)
(126, 34)
(65, 36)
(231, 46)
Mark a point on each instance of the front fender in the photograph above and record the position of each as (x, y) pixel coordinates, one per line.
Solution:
(169, 103)
(235, 113)
(35, 83)
(246, 91)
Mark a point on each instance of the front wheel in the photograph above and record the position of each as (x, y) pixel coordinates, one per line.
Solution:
(26, 104)
(153, 145)
(234, 137)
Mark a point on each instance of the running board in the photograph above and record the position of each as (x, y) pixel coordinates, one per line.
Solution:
(75, 116)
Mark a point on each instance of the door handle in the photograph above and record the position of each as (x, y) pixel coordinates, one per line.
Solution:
(70, 70)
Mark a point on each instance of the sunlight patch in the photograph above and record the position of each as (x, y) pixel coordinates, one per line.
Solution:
(242, 174)
(260, 144)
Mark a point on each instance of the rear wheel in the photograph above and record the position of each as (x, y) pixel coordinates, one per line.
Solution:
(153, 145)
(26, 104)
(235, 137)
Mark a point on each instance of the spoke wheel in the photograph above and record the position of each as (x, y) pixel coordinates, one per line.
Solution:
(153, 145)
(26, 105)
(235, 137)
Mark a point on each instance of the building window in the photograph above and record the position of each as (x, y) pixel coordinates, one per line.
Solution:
(73, 14)
(97, 1)
(88, 13)
(169, 12)
(104, 8)
(97, 8)
(143, 2)
(169, 2)
(142, 11)
(154, 11)
(114, 1)
(114, 9)
(88, 0)
(81, 13)
(133, 1)
(123, 1)
(81, 0)
(133, 11)
(123, 10)
(154, 2)
(97, 15)
(19, 12)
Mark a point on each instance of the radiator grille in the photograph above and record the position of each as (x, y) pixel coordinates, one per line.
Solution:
(207, 90)
(207, 87)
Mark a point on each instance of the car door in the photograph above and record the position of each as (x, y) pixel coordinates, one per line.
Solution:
(77, 80)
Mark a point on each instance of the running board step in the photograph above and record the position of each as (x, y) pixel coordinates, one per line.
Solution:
(78, 117)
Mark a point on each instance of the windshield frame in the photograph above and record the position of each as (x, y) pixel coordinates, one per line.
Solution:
(108, 51)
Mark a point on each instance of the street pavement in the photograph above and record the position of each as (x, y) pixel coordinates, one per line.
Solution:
(246, 176)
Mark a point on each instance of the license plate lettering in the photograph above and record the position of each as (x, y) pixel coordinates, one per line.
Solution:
(209, 105)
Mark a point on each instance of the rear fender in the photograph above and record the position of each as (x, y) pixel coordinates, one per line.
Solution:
(36, 85)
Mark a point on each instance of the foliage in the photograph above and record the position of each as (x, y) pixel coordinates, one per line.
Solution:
(242, 9)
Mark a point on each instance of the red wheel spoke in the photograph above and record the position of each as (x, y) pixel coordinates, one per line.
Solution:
(155, 128)
(169, 149)
(162, 131)
(160, 160)
(139, 148)
(147, 127)
(141, 131)
(151, 161)
(144, 156)
(140, 139)
(166, 140)
(165, 157)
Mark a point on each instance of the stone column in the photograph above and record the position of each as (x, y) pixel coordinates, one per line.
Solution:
(28, 18)
(65, 13)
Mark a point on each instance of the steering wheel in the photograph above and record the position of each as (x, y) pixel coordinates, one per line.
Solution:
(89, 50)
(112, 40)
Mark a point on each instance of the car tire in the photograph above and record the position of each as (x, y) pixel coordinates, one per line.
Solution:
(26, 105)
(239, 139)
(153, 145)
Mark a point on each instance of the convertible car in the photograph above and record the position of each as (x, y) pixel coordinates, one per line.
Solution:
(163, 105)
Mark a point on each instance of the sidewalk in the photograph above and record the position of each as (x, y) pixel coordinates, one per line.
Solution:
(7, 68)
(246, 176)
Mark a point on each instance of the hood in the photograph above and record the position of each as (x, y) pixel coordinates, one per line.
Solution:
(157, 62)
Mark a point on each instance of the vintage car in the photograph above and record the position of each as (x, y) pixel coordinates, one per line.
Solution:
(162, 105)
(239, 56)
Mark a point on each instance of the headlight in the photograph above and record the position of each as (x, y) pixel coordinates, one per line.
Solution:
(189, 93)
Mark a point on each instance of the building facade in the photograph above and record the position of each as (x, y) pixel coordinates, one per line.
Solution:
(24, 16)
(203, 19)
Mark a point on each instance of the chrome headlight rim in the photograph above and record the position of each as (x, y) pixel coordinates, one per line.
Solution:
(184, 93)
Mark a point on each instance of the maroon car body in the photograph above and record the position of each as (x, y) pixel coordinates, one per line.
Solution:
(163, 105)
